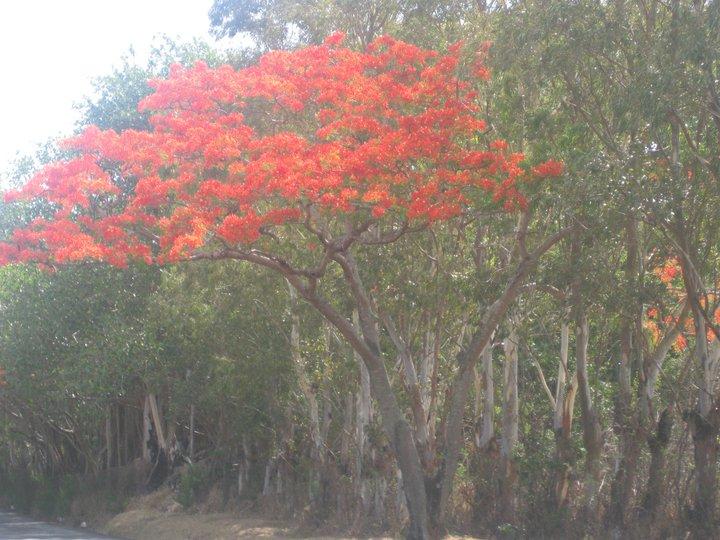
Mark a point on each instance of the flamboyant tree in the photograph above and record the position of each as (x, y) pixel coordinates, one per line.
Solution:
(292, 164)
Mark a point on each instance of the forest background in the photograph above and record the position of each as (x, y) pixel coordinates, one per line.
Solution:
(537, 365)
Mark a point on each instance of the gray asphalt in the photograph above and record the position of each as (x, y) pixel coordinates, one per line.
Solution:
(15, 527)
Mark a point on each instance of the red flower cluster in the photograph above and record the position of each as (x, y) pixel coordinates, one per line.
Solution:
(550, 167)
(233, 153)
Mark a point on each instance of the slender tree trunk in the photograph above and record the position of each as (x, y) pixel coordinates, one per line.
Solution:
(485, 465)
(393, 420)
(191, 443)
(509, 426)
(157, 422)
(244, 468)
(704, 435)
(627, 418)
(655, 490)
(363, 408)
(108, 437)
(562, 421)
(704, 422)
(592, 434)
(487, 432)
(463, 379)
(267, 480)
(146, 430)
(118, 446)
(658, 441)
(303, 382)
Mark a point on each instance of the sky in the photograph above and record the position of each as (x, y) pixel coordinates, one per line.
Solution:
(50, 50)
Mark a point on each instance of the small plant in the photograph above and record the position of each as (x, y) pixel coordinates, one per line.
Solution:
(191, 482)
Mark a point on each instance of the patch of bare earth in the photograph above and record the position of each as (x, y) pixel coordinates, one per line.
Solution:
(158, 517)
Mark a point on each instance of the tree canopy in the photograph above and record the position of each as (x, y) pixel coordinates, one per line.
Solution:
(432, 266)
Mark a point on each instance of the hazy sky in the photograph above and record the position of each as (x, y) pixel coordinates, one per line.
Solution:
(51, 49)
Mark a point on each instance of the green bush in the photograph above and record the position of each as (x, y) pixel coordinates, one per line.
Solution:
(191, 483)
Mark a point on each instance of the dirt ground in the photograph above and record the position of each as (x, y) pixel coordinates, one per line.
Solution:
(154, 525)
(158, 517)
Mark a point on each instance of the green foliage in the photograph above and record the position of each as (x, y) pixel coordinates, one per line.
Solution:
(280, 24)
(116, 95)
(598, 84)
(192, 481)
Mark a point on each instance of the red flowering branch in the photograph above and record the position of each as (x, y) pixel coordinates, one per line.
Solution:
(391, 133)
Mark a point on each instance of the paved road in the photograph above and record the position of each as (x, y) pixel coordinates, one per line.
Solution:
(15, 527)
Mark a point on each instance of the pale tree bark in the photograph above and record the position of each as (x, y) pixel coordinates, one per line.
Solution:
(118, 446)
(562, 402)
(657, 428)
(363, 409)
(462, 381)
(191, 443)
(347, 503)
(108, 437)
(157, 422)
(414, 388)
(485, 387)
(564, 409)
(309, 393)
(628, 425)
(146, 429)
(486, 466)
(303, 380)
(394, 422)
(705, 420)
(592, 433)
(510, 419)
(510, 392)
(243, 468)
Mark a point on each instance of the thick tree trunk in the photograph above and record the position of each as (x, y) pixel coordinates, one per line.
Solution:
(398, 431)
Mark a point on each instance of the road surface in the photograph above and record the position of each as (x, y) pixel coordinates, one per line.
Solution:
(15, 527)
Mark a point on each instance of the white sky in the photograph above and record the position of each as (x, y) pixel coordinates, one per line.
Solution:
(51, 49)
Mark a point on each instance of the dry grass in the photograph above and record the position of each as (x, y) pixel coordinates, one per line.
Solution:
(157, 516)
